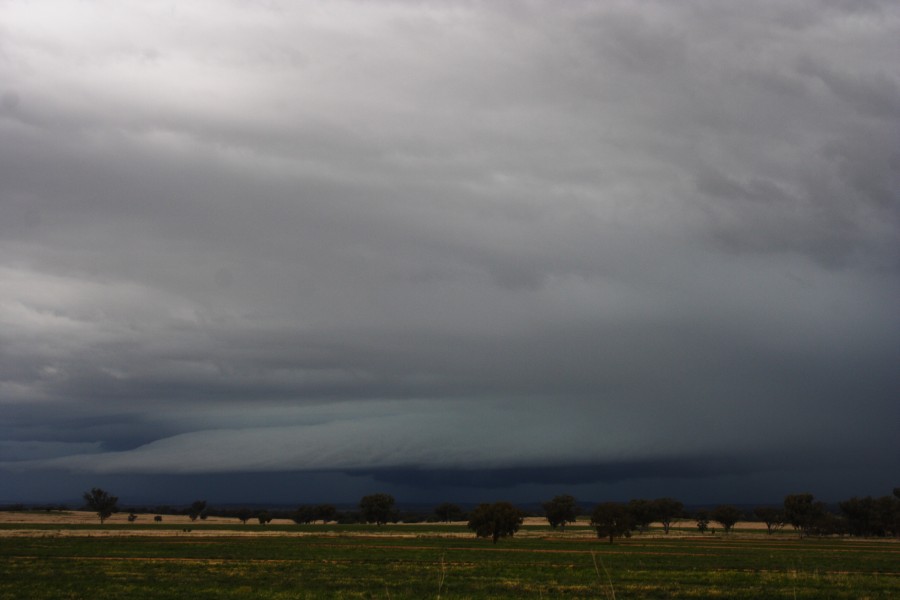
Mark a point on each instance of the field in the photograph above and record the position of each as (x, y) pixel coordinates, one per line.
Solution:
(74, 557)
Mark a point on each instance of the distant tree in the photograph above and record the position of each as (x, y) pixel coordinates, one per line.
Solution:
(347, 518)
(497, 520)
(263, 517)
(158, 518)
(197, 509)
(561, 510)
(667, 510)
(869, 516)
(726, 515)
(829, 524)
(701, 517)
(612, 520)
(802, 511)
(132, 518)
(101, 502)
(304, 515)
(377, 508)
(771, 516)
(447, 512)
(892, 518)
(326, 512)
(243, 514)
(642, 513)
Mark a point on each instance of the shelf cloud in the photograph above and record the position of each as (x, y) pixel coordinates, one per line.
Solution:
(451, 245)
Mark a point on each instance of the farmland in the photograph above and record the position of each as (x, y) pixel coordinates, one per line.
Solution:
(279, 561)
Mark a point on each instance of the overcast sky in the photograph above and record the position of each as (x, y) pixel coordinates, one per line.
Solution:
(297, 251)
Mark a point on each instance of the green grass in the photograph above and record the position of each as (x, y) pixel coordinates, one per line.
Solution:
(385, 565)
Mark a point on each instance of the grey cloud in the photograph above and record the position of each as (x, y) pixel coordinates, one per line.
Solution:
(655, 219)
(576, 474)
(11, 451)
(871, 94)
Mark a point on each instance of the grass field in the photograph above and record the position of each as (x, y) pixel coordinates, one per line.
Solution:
(429, 561)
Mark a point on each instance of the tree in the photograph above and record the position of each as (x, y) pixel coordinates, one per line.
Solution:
(667, 510)
(560, 510)
(132, 518)
(701, 517)
(244, 514)
(894, 520)
(101, 502)
(304, 515)
(197, 509)
(830, 524)
(325, 512)
(377, 508)
(726, 515)
(890, 506)
(263, 517)
(447, 512)
(642, 512)
(158, 518)
(497, 520)
(871, 516)
(612, 520)
(771, 516)
(802, 512)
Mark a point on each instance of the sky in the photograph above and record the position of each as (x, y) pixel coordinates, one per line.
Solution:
(261, 251)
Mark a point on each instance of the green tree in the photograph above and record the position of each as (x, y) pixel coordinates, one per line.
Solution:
(377, 508)
(101, 502)
(197, 509)
(871, 516)
(243, 514)
(263, 517)
(642, 512)
(612, 520)
(304, 514)
(891, 507)
(667, 510)
(447, 512)
(325, 512)
(497, 520)
(701, 517)
(771, 516)
(802, 511)
(726, 515)
(561, 510)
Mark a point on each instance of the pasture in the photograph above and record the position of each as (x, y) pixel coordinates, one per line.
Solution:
(229, 560)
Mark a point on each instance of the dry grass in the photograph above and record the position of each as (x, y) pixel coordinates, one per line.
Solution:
(200, 528)
(81, 517)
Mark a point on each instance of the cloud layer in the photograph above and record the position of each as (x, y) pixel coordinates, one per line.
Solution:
(450, 236)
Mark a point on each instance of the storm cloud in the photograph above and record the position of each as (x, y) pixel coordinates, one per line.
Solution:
(451, 245)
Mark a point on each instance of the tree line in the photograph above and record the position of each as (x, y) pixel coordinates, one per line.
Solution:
(868, 516)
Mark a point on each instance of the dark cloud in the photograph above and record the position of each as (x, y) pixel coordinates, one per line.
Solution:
(450, 247)
(565, 475)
